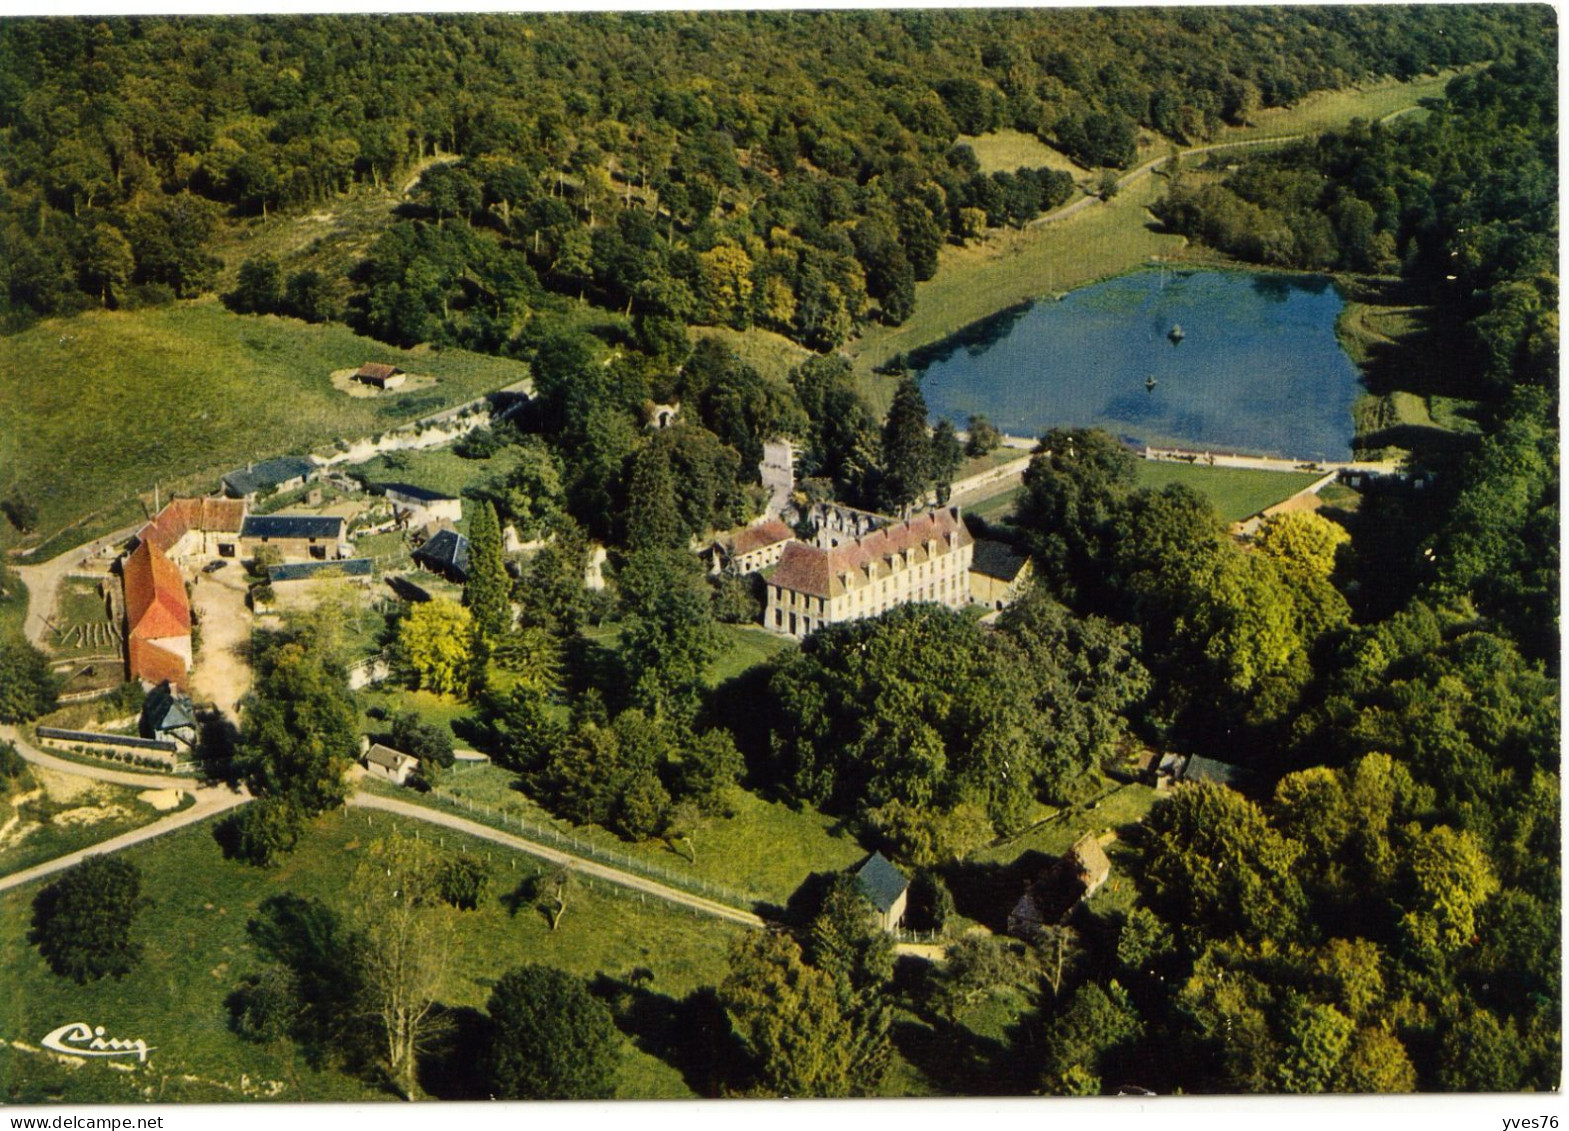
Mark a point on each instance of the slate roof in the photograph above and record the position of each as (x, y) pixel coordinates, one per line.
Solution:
(808, 569)
(300, 571)
(447, 549)
(423, 494)
(881, 882)
(183, 515)
(267, 473)
(996, 559)
(167, 708)
(1207, 769)
(292, 526)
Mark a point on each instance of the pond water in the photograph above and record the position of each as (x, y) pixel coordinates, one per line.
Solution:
(1258, 369)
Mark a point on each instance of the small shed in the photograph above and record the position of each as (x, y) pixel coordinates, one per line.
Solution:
(393, 765)
(1200, 768)
(446, 553)
(169, 714)
(886, 887)
(380, 376)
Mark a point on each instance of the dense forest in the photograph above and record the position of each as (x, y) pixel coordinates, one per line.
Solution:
(700, 168)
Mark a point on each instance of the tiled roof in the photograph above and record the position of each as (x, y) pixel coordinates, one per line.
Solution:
(377, 370)
(447, 549)
(996, 559)
(807, 569)
(156, 609)
(300, 571)
(155, 601)
(424, 494)
(881, 882)
(182, 515)
(268, 473)
(292, 526)
(763, 534)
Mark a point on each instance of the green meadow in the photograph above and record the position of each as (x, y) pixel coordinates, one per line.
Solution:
(97, 410)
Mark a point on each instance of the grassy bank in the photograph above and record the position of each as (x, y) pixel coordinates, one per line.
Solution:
(197, 949)
(1102, 240)
(97, 409)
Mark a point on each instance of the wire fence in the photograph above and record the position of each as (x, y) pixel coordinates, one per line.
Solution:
(627, 862)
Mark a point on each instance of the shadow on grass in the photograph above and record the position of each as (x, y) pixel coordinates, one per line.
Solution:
(452, 1066)
(691, 1034)
(987, 892)
(958, 1062)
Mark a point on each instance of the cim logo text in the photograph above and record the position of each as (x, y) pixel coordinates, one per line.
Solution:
(81, 1039)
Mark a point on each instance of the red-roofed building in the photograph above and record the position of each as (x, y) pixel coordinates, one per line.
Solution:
(196, 527)
(923, 558)
(157, 614)
(751, 548)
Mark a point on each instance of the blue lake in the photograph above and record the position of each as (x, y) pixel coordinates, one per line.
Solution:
(1258, 369)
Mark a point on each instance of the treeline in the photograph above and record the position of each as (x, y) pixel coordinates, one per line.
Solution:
(799, 190)
(1378, 909)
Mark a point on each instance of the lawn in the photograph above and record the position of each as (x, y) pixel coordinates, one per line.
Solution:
(1236, 492)
(112, 403)
(439, 469)
(1007, 150)
(760, 854)
(197, 949)
(741, 646)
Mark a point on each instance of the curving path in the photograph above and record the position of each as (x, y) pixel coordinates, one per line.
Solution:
(210, 800)
(555, 856)
(43, 581)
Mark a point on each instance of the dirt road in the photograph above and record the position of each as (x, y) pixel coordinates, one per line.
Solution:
(223, 672)
(43, 582)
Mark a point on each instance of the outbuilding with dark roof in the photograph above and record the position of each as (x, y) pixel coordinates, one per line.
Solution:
(885, 887)
(415, 506)
(302, 536)
(998, 573)
(380, 375)
(167, 713)
(446, 553)
(282, 474)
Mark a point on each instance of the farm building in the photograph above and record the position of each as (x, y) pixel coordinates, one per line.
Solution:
(750, 548)
(157, 615)
(998, 574)
(393, 765)
(922, 558)
(283, 474)
(446, 553)
(168, 714)
(195, 528)
(1072, 878)
(301, 536)
(380, 376)
(886, 888)
(415, 506)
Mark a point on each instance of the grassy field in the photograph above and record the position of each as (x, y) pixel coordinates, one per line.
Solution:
(1007, 150)
(57, 813)
(1236, 492)
(740, 647)
(1329, 109)
(439, 469)
(763, 852)
(197, 949)
(97, 409)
